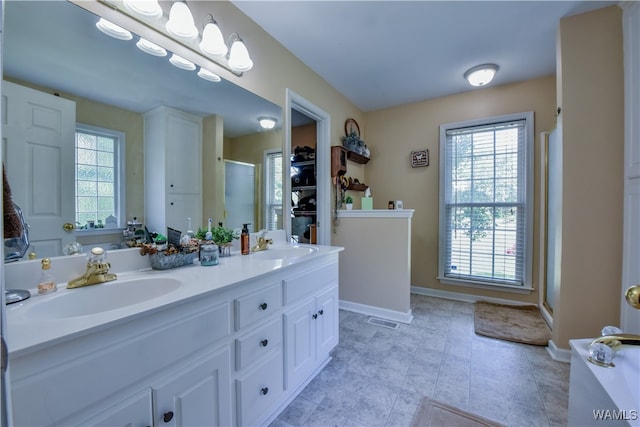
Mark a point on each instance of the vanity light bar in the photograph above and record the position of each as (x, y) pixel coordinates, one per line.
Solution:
(180, 27)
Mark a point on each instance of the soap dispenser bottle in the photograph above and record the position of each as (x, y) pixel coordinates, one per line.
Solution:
(47, 282)
(244, 240)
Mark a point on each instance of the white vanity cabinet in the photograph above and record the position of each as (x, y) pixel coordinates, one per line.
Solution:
(311, 322)
(172, 153)
(236, 355)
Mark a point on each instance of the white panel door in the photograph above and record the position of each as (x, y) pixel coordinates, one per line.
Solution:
(327, 321)
(39, 139)
(300, 342)
(630, 317)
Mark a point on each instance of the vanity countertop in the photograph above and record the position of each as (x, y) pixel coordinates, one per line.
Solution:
(27, 333)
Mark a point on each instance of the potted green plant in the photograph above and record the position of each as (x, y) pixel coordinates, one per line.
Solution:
(221, 236)
(348, 202)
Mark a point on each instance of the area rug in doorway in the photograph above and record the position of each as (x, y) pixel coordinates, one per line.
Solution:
(517, 323)
(431, 413)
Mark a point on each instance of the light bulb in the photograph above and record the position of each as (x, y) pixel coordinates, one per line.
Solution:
(182, 63)
(212, 41)
(267, 122)
(180, 22)
(239, 59)
(145, 8)
(151, 48)
(481, 75)
(113, 30)
(208, 75)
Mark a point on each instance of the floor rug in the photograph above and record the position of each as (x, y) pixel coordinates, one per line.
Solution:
(431, 413)
(517, 323)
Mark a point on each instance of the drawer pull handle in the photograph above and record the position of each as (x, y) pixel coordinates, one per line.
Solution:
(264, 391)
(264, 343)
(315, 316)
(263, 306)
(167, 416)
(321, 312)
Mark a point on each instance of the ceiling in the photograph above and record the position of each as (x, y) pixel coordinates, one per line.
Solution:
(381, 54)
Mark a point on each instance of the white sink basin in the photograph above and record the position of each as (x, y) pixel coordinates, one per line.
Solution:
(285, 252)
(100, 298)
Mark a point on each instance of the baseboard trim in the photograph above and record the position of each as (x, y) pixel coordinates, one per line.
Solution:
(383, 313)
(459, 296)
(558, 354)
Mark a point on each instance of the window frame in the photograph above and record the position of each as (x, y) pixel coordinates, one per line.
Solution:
(268, 184)
(120, 173)
(529, 189)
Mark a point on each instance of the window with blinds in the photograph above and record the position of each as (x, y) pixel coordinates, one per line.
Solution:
(273, 190)
(486, 201)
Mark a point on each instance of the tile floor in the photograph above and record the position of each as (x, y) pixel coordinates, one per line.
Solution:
(378, 375)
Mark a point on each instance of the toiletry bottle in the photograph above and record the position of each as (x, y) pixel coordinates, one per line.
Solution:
(47, 282)
(244, 240)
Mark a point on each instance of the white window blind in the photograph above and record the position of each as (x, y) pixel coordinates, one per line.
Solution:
(485, 215)
(273, 190)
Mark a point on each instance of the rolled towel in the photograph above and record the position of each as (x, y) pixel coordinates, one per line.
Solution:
(13, 227)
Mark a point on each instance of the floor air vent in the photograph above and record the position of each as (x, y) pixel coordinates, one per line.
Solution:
(384, 323)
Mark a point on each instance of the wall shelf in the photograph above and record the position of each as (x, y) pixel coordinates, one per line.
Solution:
(357, 187)
(357, 158)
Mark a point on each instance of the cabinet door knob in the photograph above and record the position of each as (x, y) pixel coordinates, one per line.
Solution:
(321, 312)
(264, 391)
(167, 416)
(171, 203)
(263, 306)
(264, 343)
(315, 316)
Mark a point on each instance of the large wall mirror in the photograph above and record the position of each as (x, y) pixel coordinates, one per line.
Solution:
(55, 48)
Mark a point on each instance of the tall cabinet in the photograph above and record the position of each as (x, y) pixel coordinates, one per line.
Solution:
(173, 169)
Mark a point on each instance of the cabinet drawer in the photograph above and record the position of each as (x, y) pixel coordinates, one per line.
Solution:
(259, 390)
(310, 282)
(255, 345)
(258, 306)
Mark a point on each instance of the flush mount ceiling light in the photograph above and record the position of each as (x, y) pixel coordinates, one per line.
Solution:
(208, 75)
(239, 59)
(182, 63)
(267, 122)
(212, 41)
(145, 8)
(481, 75)
(180, 23)
(113, 30)
(151, 48)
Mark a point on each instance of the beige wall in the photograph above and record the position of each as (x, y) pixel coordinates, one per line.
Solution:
(393, 133)
(592, 94)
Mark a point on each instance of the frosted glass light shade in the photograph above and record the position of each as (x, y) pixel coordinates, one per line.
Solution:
(113, 30)
(267, 122)
(180, 22)
(146, 8)
(212, 41)
(481, 75)
(151, 48)
(182, 63)
(239, 59)
(208, 75)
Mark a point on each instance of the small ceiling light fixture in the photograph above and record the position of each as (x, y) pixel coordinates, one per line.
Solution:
(180, 22)
(151, 48)
(481, 75)
(113, 30)
(145, 8)
(212, 41)
(208, 75)
(182, 63)
(267, 122)
(239, 59)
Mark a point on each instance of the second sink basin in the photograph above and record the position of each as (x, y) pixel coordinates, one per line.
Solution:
(100, 298)
(285, 252)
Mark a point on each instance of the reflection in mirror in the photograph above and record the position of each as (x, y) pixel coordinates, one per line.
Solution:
(55, 48)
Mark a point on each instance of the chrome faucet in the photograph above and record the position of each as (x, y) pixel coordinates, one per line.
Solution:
(97, 271)
(262, 243)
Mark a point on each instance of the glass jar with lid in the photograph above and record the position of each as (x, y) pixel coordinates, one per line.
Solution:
(209, 254)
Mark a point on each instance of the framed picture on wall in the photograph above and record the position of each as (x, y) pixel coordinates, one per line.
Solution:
(419, 158)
